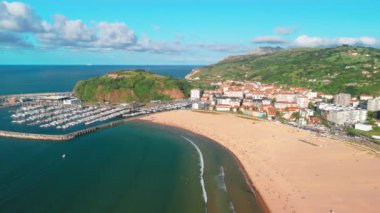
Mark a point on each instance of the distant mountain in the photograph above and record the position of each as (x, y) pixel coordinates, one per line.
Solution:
(130, 86)
(331, 70)
(258, 51)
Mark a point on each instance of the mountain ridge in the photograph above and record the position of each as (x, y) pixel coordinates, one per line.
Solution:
(330, 70)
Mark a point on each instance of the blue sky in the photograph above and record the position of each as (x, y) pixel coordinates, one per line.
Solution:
(176, 32)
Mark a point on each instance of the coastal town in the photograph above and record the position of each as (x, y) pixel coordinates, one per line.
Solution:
(339, 114)
(301, 107)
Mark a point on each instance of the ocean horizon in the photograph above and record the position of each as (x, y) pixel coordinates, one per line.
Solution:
(19, 79)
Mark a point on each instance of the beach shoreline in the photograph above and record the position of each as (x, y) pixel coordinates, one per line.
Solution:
(289, 185)
(255, 193)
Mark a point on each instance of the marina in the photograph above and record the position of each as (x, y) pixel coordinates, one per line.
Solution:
(53, 117)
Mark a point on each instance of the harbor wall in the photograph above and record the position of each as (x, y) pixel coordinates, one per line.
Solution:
(64, 137)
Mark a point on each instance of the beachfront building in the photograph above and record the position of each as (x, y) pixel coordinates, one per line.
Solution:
(373, 105)
(341, 115)
(223, 108)
(195, 94)
(363, 127)
(199, 105)
(223, 101)
(342, 99)
(235, 103)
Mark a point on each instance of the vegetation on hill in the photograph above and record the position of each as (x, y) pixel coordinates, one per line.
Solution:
(355, 70)
(131, 86)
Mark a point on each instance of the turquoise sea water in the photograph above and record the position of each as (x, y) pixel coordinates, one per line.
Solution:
(136, 167)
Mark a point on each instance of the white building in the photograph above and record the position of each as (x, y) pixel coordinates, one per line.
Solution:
(363, 127)
(71, 101)
(312, 95)
(195, 94)
(234, 94)
(373, 105)
(223, 101)
(342, 99)
(345, 115)
(223, 108)
(199, 105)
(366, 97)
(255, 95)
(286, 97)
(302, 101)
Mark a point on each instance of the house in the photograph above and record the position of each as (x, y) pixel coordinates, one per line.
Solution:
(365, 97)
(195, 94)
(235, 103)
(286, 97)
(234, 94)
(302, 101)
(281, 105)
(266, 101)
(223, 101)
(199, 105)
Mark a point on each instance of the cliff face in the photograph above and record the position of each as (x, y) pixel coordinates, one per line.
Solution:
(131, 86)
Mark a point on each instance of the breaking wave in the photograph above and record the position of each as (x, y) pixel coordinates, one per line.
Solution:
(202, 167)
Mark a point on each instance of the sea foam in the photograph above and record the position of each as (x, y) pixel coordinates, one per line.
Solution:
(202, 167)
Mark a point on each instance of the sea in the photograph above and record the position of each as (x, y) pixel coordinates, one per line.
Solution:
(138, 167)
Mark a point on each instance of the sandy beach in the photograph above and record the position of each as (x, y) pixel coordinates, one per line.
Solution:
(293, 170)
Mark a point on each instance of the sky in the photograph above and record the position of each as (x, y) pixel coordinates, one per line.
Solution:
(175, 32)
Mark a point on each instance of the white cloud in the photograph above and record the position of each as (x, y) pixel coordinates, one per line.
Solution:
(284, 30)
(115, 35)
(227, 48)
(307, 41)
(310, 41)
(19, 17)
(66, 33)
(269, 40)
(145, 44)
(102, 36)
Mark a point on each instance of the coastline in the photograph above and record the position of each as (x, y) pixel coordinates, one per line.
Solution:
(270, 183)
(253, 190)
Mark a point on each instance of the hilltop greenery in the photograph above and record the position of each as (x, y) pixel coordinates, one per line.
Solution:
(130, 86)
(355, 70)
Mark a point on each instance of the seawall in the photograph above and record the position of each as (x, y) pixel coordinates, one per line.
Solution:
(64, 137)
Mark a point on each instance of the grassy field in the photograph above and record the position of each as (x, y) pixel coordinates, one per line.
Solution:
(369, 134)
(130, 86)
(343, 69)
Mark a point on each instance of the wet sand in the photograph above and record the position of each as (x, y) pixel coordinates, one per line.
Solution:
(293, 170)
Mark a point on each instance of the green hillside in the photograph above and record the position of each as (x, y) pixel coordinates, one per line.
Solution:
(130, 86)
(343, 69)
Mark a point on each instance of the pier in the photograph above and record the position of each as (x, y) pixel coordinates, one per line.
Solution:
(64, 137)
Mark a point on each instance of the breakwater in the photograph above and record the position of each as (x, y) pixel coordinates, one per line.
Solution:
(64, 137)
